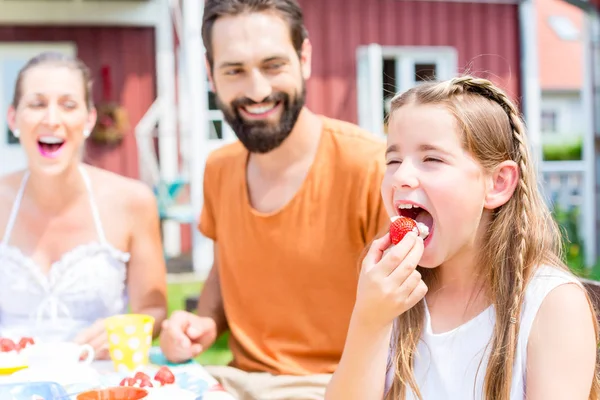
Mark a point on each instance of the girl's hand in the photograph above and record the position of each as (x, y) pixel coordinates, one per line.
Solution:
(389, 284)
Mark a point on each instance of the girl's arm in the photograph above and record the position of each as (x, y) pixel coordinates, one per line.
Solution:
(387, 287)
(362, 369)
(561, 353)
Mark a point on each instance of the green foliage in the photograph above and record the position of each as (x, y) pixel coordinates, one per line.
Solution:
(574, 245)
(565, 150)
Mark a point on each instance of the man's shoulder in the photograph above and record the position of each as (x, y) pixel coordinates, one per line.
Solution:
(225, 156)
(354, 148)
(357, 141)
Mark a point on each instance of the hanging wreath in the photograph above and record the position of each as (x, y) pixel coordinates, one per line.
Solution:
(112, 122)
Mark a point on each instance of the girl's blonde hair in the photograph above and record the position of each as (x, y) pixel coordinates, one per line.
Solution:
(521, 235)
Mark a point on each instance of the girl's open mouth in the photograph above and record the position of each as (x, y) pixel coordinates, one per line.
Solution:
(50, 146)
(419, 214)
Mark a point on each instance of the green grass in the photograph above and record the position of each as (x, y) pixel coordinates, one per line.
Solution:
(219, 353)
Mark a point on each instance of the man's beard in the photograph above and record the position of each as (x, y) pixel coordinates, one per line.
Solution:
(264, 136)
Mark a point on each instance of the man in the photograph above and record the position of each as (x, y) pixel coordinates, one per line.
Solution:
(290, 208)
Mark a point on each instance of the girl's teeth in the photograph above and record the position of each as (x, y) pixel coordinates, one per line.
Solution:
(407, 206)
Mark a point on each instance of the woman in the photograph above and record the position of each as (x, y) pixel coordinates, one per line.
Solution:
(77, 244)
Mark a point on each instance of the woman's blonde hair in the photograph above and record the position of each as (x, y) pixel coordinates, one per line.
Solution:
(521, 235)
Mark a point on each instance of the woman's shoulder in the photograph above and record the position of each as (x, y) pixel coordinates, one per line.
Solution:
(9, 188)
(10, 183)
(132, 195)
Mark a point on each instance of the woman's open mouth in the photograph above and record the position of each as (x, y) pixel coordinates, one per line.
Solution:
(421, 216)
(50, 146)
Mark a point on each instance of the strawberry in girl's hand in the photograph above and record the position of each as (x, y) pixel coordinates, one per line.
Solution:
(400, 227)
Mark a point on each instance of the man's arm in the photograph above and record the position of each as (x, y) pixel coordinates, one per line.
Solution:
(210, 303)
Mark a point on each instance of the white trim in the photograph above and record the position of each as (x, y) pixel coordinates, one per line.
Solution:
(472, 1)
(419, 52)
(562, 166)
(530, 80)
(369, 83)
(444, 57)
(202, 249)
(167, 128)
(114, 13)
(589, 211)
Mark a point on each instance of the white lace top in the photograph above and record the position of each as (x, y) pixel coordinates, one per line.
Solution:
(86, 284)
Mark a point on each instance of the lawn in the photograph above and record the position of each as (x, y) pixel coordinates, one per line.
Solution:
(219, 353)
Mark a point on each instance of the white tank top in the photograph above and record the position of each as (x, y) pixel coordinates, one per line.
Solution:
(86, 284)
(452, 365)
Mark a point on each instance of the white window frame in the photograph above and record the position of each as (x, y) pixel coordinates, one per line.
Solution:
(369, 75)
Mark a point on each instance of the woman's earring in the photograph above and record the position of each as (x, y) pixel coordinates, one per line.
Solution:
(86, 133)
(16, 133)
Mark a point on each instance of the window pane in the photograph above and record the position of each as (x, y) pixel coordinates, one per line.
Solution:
(212, 102)
(216, 130)
(548, 121)
(389, 84)
(425, 72)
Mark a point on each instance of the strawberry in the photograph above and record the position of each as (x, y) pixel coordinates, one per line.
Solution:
(146, 383)
(141, 376)
(127, 382)
(7, 345)
(400, 227)
(24, 342)
(164, 376)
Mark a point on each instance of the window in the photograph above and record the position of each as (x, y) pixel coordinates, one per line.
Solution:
(384, 71)
(425, 72)
(549, 121)
(217, 127)
(10, 138)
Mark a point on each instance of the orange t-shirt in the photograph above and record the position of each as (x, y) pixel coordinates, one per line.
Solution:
(289, 278)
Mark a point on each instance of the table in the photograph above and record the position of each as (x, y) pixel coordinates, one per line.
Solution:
(77, 378)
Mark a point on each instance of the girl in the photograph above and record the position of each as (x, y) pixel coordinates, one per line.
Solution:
(491, 311)
(77, 244)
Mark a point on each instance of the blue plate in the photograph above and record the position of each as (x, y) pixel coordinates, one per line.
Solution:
(27, 391)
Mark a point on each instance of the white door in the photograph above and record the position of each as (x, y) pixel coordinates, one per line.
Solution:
(13, 56)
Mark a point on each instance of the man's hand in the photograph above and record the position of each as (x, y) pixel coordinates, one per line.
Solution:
(185, 335)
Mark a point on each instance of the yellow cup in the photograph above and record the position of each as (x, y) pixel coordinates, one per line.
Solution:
(129, 340)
